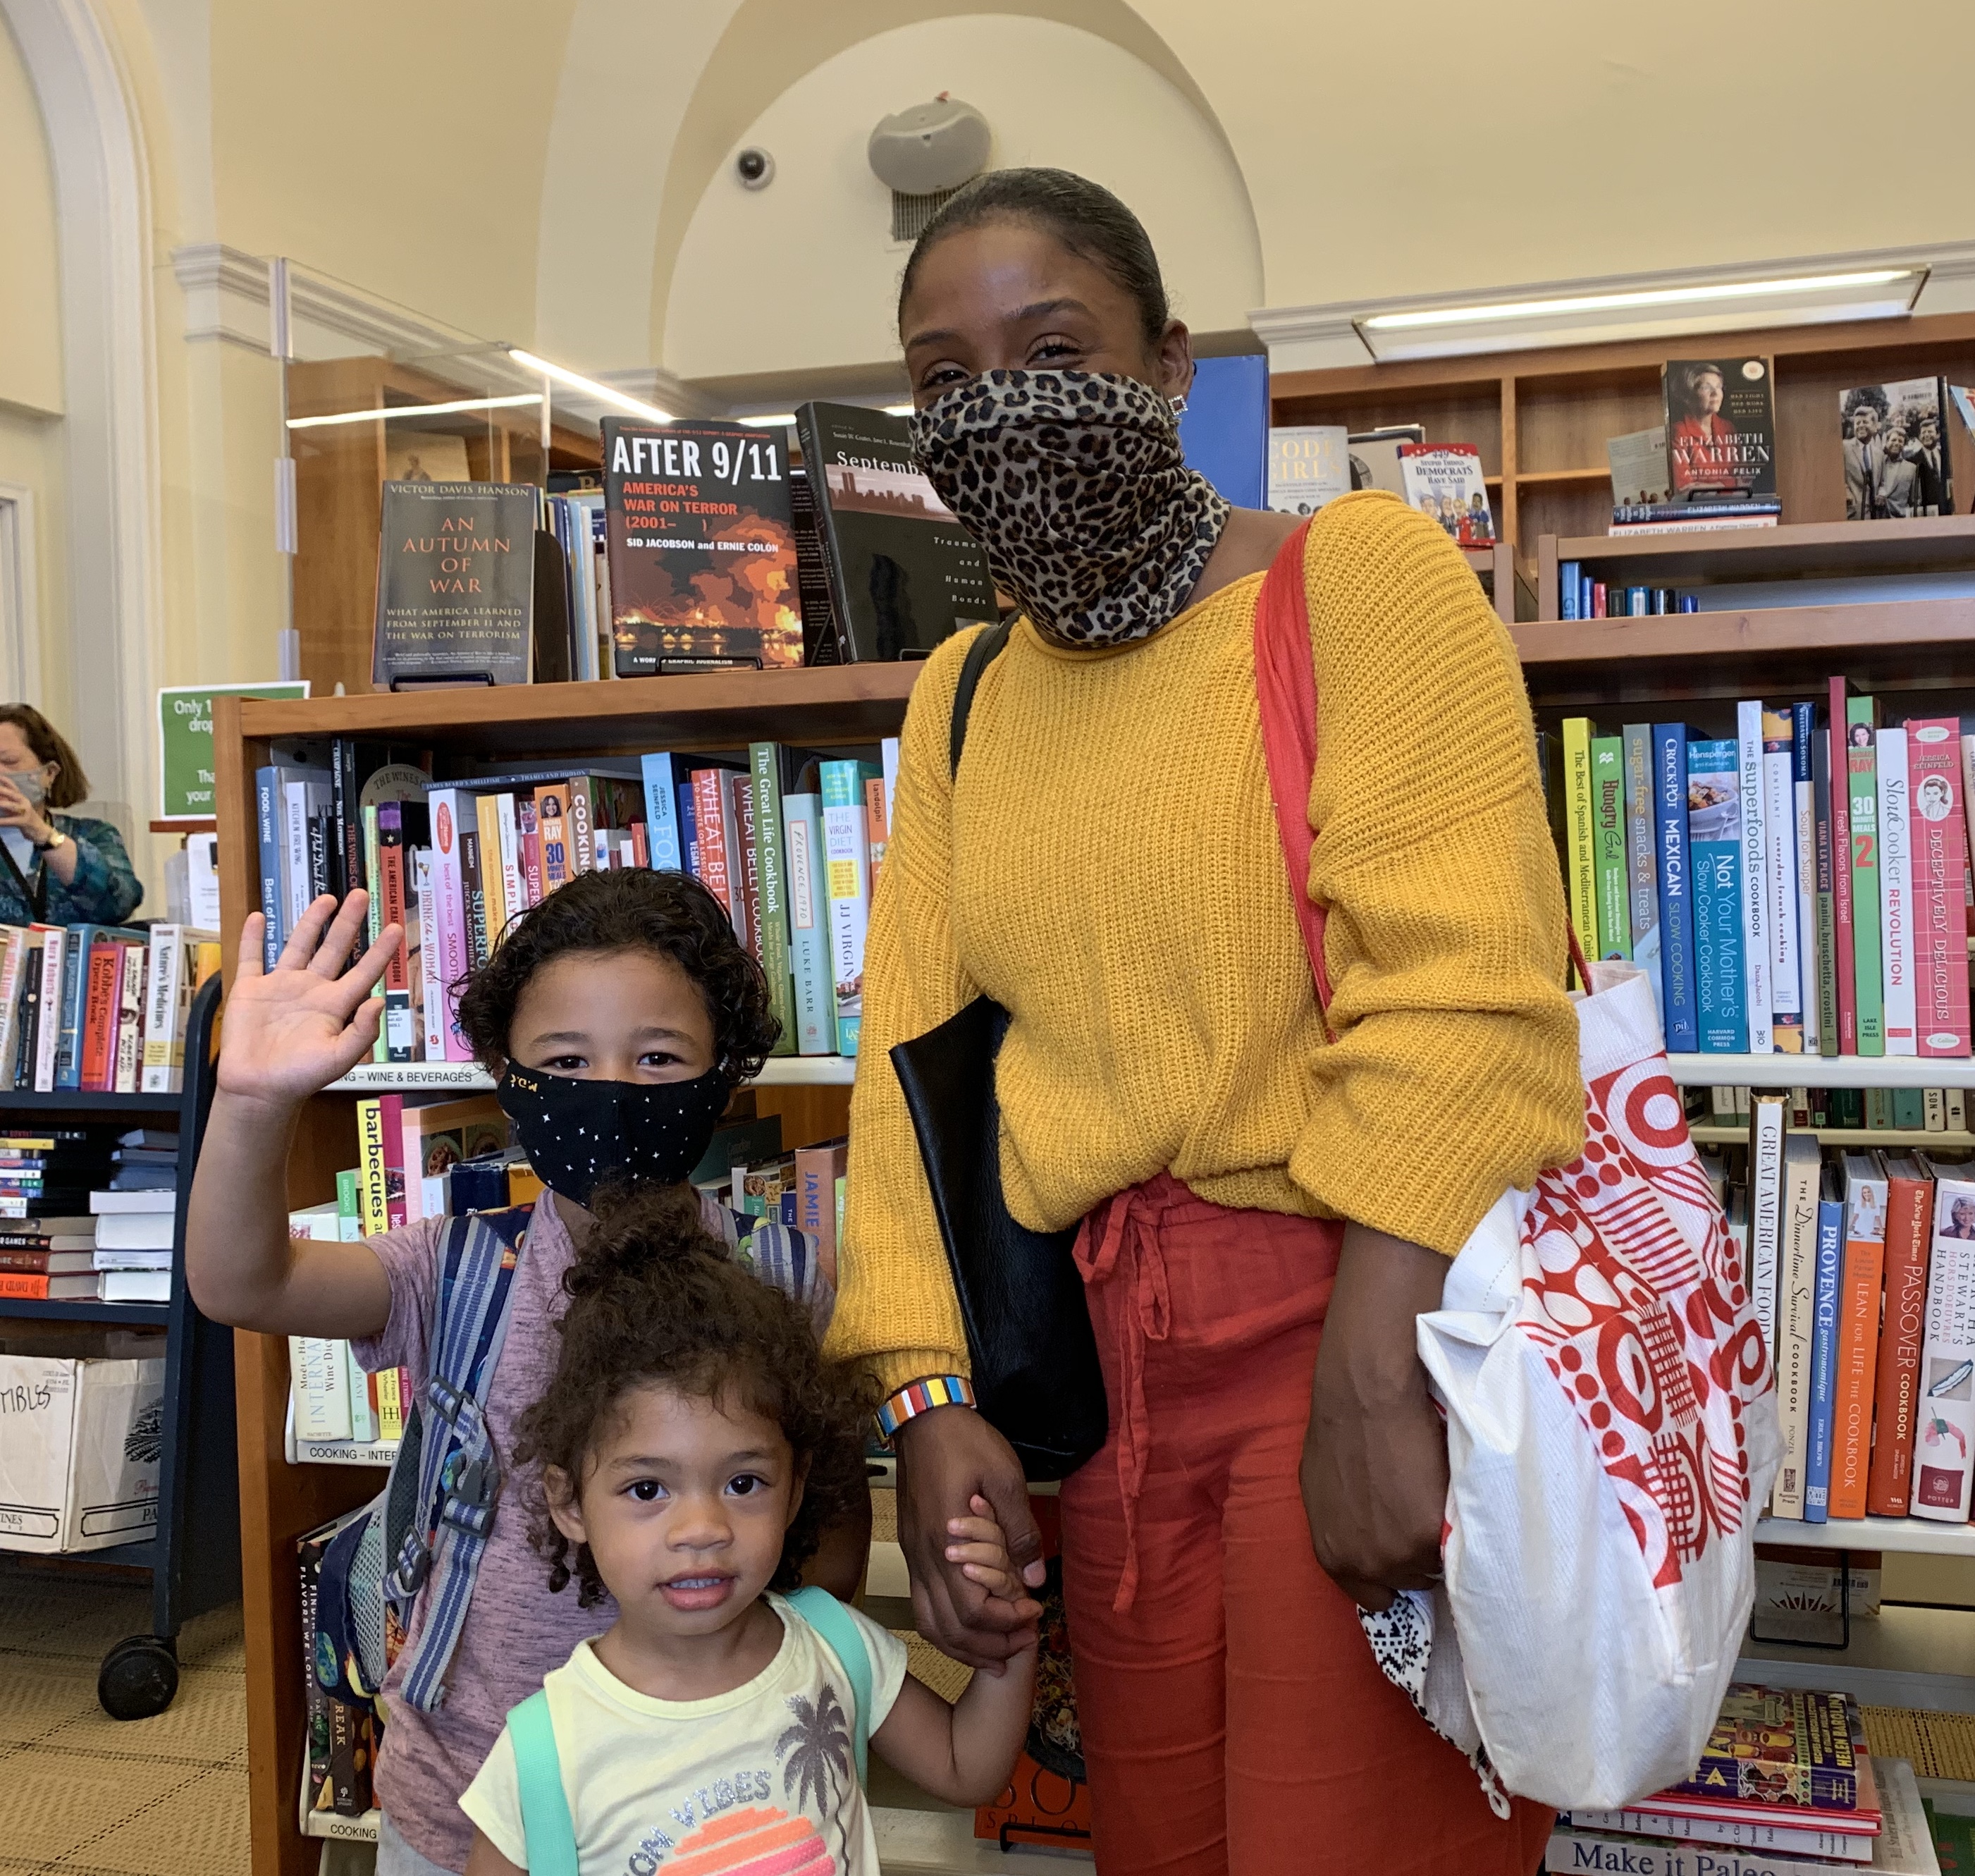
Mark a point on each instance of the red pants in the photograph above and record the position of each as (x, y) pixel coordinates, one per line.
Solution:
(1234, 1719)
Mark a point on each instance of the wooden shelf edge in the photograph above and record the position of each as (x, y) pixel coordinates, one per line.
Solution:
(1757, 633)
(1705, 1134)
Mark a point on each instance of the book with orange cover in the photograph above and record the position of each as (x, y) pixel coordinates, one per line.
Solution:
(1909, 1228)
(1857, 1333)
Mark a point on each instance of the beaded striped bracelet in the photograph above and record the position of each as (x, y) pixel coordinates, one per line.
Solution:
(921, 1397)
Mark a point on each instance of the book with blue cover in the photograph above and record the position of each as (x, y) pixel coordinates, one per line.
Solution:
(661, 827)
(1714, 835)
(1823, 1360)
(1676, 888)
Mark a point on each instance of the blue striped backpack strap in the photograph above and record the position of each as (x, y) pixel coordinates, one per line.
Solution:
(831, 1620)
(459, 1469)
(545, 1818)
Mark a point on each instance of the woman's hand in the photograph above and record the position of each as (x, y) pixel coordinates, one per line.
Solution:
(293, 1030)
(1374, 1456)
(17, 811)
(948, 1459)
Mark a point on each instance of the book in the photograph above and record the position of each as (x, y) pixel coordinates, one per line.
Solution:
(130, 1018)
(431, 1004)
(1769, 1118)
(846, 857)
(821, 644)
(818, 1170)
(1844, 961)
(903, 573)
(1790, 1750)
(1721, 425)
(1896, 938)
(1714, 837)
(274, 890)
(83, 942)
(877, 832)
(1642, 859)
(716, 838)
(449, 808)
(1862, 797)
(1859, 1305)
(1824, 1340)
(1638, 1826)
(1308, 465)
(1779, 823)
(661, 782)
(746, 860)
(1940, 887)
(1757, 974)
(810, 946)
(435, 1136)
(1797, 1322)
(1613, 883)
(456, 584)
(170, 978)
(493, 885)
(1638, 460)
(319, 1381)
(1945, 1411)
(1580, 823)
(770, 869)
(701, 547)
(1893, 443)
(397, 1033)
(1444, 482)
(552, 830)
(1909, 1222)
(48, 1030)
(1804, 744)
(1374, 456)
(372, 1183)
(135, 1231)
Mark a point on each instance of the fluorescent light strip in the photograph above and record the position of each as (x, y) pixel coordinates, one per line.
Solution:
(1616, 302)
(780, 420)
(390, 411)
(578, 382)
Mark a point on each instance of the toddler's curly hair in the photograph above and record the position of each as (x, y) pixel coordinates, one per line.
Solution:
(654, 1298)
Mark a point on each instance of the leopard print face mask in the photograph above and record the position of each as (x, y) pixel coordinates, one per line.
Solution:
(1074, 483)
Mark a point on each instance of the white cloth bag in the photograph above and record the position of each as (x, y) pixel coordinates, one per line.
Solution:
(1611, 1435)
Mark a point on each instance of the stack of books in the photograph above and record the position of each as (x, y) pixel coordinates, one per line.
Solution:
(47, 1233)
(1785, 1787)
(136, 1218)
(1796, 887)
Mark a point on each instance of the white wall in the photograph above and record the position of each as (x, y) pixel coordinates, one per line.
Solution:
(803, 274)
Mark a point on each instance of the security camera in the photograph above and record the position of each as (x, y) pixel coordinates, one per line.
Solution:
(755, 168)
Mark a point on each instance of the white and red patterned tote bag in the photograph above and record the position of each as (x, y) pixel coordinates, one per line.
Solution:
(1611, 1416)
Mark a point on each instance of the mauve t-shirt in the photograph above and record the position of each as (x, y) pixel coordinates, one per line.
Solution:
(515, 1630)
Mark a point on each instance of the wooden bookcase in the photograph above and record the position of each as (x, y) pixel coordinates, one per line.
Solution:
(1540, 419)
(849, 707)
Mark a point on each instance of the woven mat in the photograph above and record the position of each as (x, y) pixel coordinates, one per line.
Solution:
(1941, 1745)
(946, 1677)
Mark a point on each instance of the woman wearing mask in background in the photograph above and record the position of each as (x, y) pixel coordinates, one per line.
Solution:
(57, 868)
(1265, 1212)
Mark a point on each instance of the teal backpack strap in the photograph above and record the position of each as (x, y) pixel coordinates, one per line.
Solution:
(545, 1818)
(831, 1621)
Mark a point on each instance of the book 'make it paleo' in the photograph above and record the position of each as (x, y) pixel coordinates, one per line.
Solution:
(455, 582)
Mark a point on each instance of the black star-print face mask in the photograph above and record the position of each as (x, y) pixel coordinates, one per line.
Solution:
(579, 1135)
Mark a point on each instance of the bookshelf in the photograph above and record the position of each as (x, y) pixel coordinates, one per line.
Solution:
(1820, 1072)
(468, 1078)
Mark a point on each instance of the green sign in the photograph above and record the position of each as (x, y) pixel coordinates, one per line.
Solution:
(185, 743)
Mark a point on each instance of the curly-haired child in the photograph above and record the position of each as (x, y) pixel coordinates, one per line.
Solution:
(617, 1017)
(693, 1444)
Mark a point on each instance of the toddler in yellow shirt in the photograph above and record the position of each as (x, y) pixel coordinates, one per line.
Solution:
(692, 1447)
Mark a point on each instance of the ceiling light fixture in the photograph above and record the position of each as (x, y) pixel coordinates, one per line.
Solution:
(389, 412)
(776, 420)
(589, 387)
(1430, 331)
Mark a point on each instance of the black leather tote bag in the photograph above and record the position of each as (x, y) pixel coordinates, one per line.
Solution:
(1035, 1375)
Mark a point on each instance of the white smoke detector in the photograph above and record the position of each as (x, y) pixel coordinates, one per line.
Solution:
(931, 149)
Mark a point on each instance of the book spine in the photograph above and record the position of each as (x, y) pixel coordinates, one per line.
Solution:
(47, 1035)
(431, 1025)
(294, 838)
(346, 870)
(662, 828)
(772, 877)
(1909, 1219)
(75, 973)
(709, 814)
(167, 962)
(1863, 798)
(130, 1018)
(1759, 992)
(391, 1120)
(273, 894)
(877, 835)
(390, 1404)
(552, 827)
(362, 1401)
(1823, 1362)
(1844, 960)
(1940, 908)
(371, 1178)
(473, 889)
(1580, 829)
(448, 910)
(1896, 920)
(373, 912)
(99, 1024)
(1803, 798)
(1779, 878)
(528, 840)
(1796, 1311)
(507, 838)
(1641, 858)
(747, 880)
(846, 855)
(1720, 1019)
(487, 851)
(1768, 1114)
(1945, 1411)
(1676, 894)
(888, 752)
(1826, 852)
(688, 823)
(1577, 1852)
(25, 1050)
(391, 904)
(809, 926)
(582, 825)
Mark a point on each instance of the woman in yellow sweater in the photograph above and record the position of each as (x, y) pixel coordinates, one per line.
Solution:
(1264, 1211)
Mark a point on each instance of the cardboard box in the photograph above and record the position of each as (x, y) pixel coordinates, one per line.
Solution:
(81, 1446)
(1798, 1592)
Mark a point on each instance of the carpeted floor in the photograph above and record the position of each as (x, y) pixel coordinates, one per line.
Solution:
(88, 1796)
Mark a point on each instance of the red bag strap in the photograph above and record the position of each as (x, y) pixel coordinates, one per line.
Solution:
(1286, 693)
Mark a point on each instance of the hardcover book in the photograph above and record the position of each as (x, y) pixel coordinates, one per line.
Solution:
(1308, 465)
(1721, 427)
(1862, 795)
(904, 574)
(455, 582)
(1859, 1283)
(1939, 861)
(1785, 1747)
(1607, 820)
(1714, 837)
(701, 547)
(1893, 438)
(1444, 482)
(1909, 1220)
(1676, 892)
(1945, 1416)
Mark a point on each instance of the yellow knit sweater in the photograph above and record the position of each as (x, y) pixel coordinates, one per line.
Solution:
(1108, 868)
